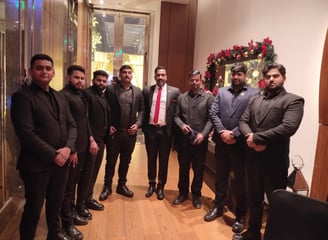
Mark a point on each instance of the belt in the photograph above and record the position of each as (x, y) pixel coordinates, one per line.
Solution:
(157, 125)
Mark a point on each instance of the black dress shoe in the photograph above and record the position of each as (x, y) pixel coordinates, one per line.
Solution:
(197, 203)
(59, 236)
(251, 235)
(180, 199)
(151, 189)
(160, 193)
(84, 212)
(94, 205)
(123, 190)
(73, 232)
(105, 193)
(238, 225)
(214, 213)
(79, 220)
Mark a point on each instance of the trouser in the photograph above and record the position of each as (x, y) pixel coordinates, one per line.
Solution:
(120, 143)
(158, 143)
(194, 155)
(49, 185)
(230, 157)
(97, 159)
(265, 174)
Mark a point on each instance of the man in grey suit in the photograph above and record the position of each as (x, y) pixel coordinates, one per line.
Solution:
(193, 119)
(160, 102)
(127, 108)
(267, 124)
(47, 133)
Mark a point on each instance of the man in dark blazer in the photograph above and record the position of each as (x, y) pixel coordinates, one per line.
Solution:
(157, 128)
(99, 120)
(127, 108)
(267, 124)
(81, 167)
(193, 118)
(227, 108)
(47, 132)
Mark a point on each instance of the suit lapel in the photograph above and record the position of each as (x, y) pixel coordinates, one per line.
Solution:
(263, 112)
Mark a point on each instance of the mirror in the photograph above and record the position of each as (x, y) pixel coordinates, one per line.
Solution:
(255, 56)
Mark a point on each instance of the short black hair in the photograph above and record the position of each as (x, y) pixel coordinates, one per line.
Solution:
(100, 72)
(158, 68)
(123, 67)
(239, 67)
(195, 72)
(73, 68)
(278, 66)
(40, 56)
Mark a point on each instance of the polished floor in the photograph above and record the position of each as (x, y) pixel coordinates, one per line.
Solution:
(142, 218)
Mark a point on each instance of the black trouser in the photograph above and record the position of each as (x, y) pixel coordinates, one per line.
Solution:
(194, 155)
(157, 143)
(49, 185)
(230, 157)
(97, 159)
(120, 143)
(265, 174)
(84, 176)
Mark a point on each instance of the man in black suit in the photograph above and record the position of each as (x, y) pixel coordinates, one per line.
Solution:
(193, 119)
(267, 124)
(81, 167)
(99, 120)
(126, 103)
(47, 132)
(157, 128)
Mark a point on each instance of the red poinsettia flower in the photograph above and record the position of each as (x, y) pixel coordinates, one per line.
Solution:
(210, 58)
(261, 84)
(250, 45)
(264, 50)
(215, 90)
(227, 53)
(267, 40)
(207, 74)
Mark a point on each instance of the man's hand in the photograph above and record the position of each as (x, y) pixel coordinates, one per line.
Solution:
(93, 148)
(112, 130)
(73, 159)
(62, 156)
(227, 136)
(199, 138)
(133, 129)
(185, 129)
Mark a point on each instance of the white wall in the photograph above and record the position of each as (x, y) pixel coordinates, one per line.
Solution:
(297, 29)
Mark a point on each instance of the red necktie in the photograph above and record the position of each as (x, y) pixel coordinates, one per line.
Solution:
(157, 105)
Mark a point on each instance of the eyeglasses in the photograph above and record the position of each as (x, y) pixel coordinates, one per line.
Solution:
(273, 76)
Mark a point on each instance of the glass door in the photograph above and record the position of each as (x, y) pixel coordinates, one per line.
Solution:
(120, 38)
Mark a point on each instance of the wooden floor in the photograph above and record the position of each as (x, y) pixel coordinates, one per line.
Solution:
(142, 218)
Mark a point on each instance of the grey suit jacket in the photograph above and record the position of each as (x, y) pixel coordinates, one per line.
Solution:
(195, 113)
(171, 102)
(41, 131)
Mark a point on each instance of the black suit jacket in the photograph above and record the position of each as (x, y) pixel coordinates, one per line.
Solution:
(274, 125)
(78, 107)
(137, 111)
(171, 102)
(99, 114)
(41, 131)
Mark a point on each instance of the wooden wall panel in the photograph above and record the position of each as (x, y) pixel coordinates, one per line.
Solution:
(319, 186)
(177, 37)
(323, 93)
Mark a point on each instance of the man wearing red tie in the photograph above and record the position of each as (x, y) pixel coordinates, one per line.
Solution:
(160, 101)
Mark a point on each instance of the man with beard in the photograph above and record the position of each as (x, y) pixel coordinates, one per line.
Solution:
(192, 117)
(99, 120)
(267, 124)
(127, 108)
(80, 169)
(160, 102)
(227, 108)
(47, 133)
